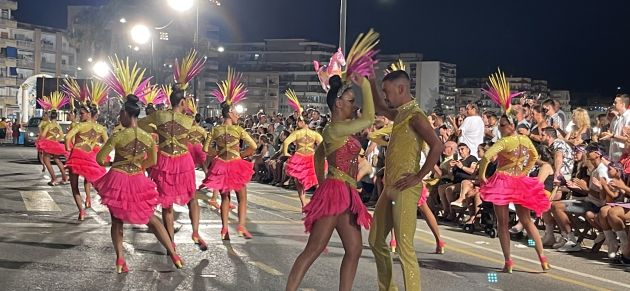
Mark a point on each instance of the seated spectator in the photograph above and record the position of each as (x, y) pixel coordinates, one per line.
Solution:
(462, 169)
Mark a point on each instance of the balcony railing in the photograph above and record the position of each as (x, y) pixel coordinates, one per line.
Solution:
(25, 63)
(25, 44)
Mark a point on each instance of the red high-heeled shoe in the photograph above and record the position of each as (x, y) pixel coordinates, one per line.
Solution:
(199, 242)
(121, 266)
(82, 215)
(177, 261)
(225, 235)
(232, 206)
(393, 245)
(441, 246)
(544, 263)
(242, 231)
(507, 268)
(88, 202)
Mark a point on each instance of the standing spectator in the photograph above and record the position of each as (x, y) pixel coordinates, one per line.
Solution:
(540, 123)
(472, 129)
(316, 120)
(616, 135)
(16, 132)
(561, 114)
(3, 129)
(523, 125)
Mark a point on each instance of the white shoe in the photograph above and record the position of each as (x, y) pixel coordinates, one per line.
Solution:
(457, 204)
(600, 238)
(613, 246)
(570, 246)
(560, 243)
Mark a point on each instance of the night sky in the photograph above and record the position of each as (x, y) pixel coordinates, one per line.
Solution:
(577, 45)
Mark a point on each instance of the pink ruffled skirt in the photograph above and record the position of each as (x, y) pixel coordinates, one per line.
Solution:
(302, 168)
(84, 164)
(503, 189)
(175, 179)
(423, 195)
(52, 147)
(97, 149)
(131, 198)
(334, 197)
(197, 153)
(228, 175)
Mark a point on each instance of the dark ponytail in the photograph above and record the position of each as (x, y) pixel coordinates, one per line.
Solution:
(225, 110)
(176, 96)
(53, 114)
(335, 85)
(198, 118)
(131, 106)
(93, 109)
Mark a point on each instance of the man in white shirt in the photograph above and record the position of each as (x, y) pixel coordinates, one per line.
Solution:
(472, 129)
(616, 135)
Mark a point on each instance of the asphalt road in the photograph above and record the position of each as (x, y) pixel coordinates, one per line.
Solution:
(44, 247)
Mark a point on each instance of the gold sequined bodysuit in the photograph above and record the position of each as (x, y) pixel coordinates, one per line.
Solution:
(86, 135)
(197, 135)
(135, 151)
(172, 129)
(226, 139)
(52, 131)
(305, 140)
(512, 152)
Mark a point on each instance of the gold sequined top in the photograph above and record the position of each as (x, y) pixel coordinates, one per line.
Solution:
(172, 129)
(405, 146)
(145, 124)
(52, 131)
(226, 139)
(42, 124)
(117, 128)
(339, 145)
(305, 141)
(512, 152)
(86, 135)
(197, 135)
(135, 151)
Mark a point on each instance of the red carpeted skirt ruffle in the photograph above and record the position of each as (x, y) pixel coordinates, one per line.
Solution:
(175, 179)
(334, 197)
(423, 195)
(228, 175)
(130, 198)
(302, 168)
(503, 189)
(52, 147)
(197, 153)
(84, 164)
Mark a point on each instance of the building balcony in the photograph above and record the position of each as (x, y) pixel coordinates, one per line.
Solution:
(25, 63)
(48, 47)
(8, 5)
(8, 81)
(4, 62)
(5, 42)
(25, 44)
(8, 23)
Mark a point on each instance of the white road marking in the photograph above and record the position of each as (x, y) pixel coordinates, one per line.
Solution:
(266, 268)
(39, 201)
(555, 267)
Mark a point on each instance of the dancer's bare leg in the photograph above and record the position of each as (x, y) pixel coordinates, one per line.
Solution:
(350, 234)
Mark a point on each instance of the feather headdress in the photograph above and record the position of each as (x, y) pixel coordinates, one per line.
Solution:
(232, 90)
(360, 60)
(154, 95)
(55, 101)
(190, 67)
(293, 101)
(98, 92)
(191, 106)
(125, 79)
(499, 91)
(396, 66)
(72, 89)
(167, 90)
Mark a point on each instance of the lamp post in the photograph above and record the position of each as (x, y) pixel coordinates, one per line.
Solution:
(342, 25)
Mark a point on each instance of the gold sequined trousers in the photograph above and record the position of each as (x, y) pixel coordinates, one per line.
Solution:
(401, 215)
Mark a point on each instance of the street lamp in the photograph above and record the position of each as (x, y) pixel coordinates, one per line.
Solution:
(123, 20)
(220, 49)
(239, 109)
(181, 5)
(100, 69)
(140, 34)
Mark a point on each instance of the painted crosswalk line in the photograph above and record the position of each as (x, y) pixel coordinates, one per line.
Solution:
(39, 201)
